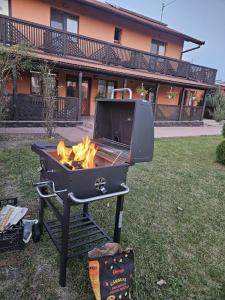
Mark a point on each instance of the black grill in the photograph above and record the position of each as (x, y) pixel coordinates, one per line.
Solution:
(124, 135)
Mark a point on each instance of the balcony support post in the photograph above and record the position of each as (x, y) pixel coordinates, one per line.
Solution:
(204, 104)
(124, 86)
(14, 94)
(182, 96)
(156, 100)
(79, 94)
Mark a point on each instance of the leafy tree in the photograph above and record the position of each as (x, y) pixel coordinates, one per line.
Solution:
(49, 95)
(216, 103)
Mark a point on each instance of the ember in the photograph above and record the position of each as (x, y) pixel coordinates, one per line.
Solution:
(79, 156)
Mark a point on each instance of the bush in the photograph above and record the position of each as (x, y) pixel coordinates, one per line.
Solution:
(216, 105)
(220, 152)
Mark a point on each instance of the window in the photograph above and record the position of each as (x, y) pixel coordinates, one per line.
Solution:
(4, 7)
(63, 21)
(117, 35)
(105, 88)
(158, 47)
(71, 86)
(36, 84)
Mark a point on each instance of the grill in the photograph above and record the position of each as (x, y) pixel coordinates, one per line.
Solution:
(124, 135)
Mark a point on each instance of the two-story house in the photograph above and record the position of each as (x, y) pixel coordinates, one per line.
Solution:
(96, 47)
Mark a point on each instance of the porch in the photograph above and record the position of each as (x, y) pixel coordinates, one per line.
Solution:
(77, 92)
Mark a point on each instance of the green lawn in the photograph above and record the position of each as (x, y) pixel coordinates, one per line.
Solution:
(174, 219)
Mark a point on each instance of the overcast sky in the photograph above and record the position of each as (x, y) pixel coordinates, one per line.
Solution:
(202, 19)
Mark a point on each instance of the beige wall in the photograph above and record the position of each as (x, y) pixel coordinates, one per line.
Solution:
(94, 23)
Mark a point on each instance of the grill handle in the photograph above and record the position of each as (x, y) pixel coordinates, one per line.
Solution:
(122, 90)
(47, 184)
(92, 199)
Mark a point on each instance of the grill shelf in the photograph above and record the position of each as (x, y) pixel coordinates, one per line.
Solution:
(84, 234)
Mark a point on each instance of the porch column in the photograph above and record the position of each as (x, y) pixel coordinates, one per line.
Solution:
(156, 100)
(204, 104)
(14, 94)
(79, 94)
(181, 103)
(124, 86)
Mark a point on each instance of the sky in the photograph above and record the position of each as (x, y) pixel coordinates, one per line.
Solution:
(202, 19)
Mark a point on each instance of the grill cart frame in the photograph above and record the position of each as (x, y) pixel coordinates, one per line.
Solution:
(124, 131)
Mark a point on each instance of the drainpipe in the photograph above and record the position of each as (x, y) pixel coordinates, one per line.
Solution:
(189, 50)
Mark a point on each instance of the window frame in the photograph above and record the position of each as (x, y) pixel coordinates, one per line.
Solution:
(9, 9)
(65, 15)
(72, 78)
(158, 43)
(41, 84)
(107, 81)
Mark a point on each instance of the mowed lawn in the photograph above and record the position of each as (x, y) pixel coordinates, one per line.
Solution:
(174, 219)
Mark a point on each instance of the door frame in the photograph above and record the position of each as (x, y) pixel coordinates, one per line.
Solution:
(89, 80)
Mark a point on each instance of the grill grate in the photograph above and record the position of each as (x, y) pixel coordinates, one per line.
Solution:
(84, 234)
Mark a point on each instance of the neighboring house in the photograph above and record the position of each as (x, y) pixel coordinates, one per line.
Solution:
(97, 47)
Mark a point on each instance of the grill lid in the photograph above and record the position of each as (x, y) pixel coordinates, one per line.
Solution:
(125, 126)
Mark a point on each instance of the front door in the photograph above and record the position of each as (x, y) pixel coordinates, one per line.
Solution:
(85, 98)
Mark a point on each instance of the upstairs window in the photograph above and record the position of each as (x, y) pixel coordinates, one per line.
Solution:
(158, 47)
(63, 21)
(4, 7)
(117, 35)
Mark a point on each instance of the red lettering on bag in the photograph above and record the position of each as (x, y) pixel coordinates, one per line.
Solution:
(117, 272)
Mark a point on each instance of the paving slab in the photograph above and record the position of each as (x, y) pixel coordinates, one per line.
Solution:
(74, 134)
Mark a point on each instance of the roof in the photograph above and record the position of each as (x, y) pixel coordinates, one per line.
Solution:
(120, 71)
(154, 24)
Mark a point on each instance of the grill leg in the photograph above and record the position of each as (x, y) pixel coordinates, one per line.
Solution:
(42, 205)
(64, 246)
(119, 219)
(85, 209)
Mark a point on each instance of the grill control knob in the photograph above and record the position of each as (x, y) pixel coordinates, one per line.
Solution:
(100, 185)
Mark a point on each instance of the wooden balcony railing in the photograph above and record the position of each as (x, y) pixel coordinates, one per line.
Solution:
(31, 108)
(14, 31)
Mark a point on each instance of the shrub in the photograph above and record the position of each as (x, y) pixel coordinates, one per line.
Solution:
(216, 105)
(220, 152)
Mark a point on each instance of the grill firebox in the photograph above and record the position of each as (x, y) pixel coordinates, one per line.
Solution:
(124, 135)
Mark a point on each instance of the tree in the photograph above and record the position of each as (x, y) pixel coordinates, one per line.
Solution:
(13, 61)
(216, 103)
(49, 95)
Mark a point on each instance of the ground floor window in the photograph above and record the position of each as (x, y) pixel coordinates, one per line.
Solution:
(36, 84)
(105, 88)
(71, 86)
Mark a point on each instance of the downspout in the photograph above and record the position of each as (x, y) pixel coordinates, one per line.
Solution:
(191, 49)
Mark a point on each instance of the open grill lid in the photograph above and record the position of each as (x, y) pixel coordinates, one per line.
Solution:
(125, 127)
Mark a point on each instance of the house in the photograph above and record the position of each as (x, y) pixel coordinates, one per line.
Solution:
(96, 47)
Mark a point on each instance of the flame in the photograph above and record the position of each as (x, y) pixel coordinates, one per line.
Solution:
(80, 155)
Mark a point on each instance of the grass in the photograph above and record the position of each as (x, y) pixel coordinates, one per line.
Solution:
(174, 219)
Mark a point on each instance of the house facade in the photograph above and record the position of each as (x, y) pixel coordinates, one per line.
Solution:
(96, 47)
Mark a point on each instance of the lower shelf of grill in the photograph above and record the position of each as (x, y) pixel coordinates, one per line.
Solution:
(84, 234)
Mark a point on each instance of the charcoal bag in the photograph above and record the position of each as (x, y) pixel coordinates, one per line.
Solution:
(111, 272)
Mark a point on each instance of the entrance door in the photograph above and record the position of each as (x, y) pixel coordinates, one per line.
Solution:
(85, 98)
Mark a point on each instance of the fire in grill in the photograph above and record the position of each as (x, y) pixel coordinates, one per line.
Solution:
(93, 170)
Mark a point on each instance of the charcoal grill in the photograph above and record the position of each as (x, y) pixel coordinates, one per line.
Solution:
(124, 135)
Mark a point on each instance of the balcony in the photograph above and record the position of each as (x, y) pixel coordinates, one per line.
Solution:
(46, 39)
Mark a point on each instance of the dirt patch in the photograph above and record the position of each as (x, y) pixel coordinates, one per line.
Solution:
(8, 141)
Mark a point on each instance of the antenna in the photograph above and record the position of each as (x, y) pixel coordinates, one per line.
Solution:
(163, 7)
